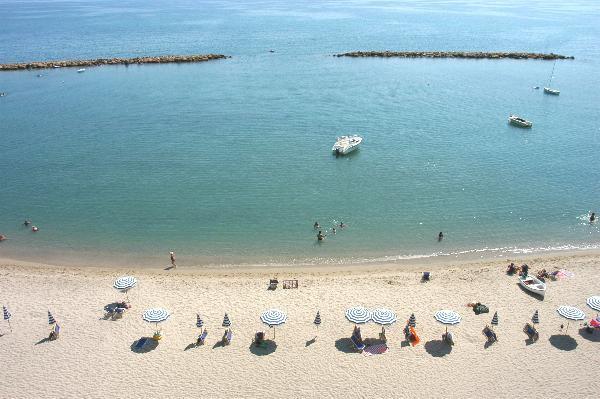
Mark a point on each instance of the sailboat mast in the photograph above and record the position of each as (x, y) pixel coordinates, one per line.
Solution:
(552, 74)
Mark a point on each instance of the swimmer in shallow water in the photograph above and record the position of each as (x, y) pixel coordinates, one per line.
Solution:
(316, 225)
(333, 230)
(34, 229)
(342, 225)
(320, 236)
(2, 237)
(26, 222)
(592, 217)
(440, 236)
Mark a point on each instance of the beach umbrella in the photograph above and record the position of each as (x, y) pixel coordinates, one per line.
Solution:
(7, 316)
(536, 318)
(383, 316)
(199, 322)
(226, 321)
(412, 321)
(273, 318)
(156, 315)
(124, 284)
(317, 319)
(447, 317)
(570, 313)
(51, 318)
(594, 302)
(495, 319)
(358, 315)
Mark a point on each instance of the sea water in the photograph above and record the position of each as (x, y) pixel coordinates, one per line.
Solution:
(229, 161)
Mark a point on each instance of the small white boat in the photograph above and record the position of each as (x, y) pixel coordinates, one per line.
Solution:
(518, 121)
(548, 90)
(346, 144)
(82, 70)
(533, 284)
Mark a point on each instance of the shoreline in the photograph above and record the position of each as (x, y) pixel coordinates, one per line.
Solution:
(164, 59)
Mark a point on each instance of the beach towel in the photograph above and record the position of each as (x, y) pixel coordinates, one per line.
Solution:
(480, 308)
(414, 337)
(376, 349)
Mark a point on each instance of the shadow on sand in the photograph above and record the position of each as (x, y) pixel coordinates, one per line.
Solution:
(148, 346)
(531, 294)
(563, 342)
(268, 348)
(593, 336)
(311, 341)
(438, 348)
(43, 340)
(345, 345)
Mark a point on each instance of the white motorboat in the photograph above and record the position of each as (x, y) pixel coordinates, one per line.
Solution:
(346, 144)
(518, 121)
(81, 70)
(533, 284)
(548, 90)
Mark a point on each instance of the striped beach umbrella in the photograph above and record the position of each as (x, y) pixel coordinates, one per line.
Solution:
(594, 302)
(495, 319)
(536, 318)
(317, 319)
(156, 315)
(412, 321)
(383, 316)
(226, 321)
(358, 315)
(447, 317)
(51, 318)
(125, 283)
(273, 318)
(571, 314)
(7, 316)
(199, 321)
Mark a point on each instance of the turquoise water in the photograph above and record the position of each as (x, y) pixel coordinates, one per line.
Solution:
(229, 161)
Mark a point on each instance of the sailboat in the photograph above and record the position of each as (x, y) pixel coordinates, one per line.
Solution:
(548, 89)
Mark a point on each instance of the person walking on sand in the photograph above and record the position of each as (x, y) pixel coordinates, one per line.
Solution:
(173, 259)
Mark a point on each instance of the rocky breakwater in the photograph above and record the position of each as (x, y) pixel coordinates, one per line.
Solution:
(456, 54)
(165, 59)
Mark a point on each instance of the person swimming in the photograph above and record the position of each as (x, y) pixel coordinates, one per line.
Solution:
(320, 236)
(316, 225)
(34, 229)
(26, 222)
(592, 217)
(342, 225)
(333, 230)
(2, 237)
(440, 236)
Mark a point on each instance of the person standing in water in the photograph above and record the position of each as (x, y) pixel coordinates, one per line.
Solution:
(173, 259)
(320, 236)
(316, 226)
(592, 217)
(440, 236)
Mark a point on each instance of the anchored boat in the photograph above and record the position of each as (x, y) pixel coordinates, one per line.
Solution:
(533, 284)
(518, 121)
(548, 89)
(346, 144)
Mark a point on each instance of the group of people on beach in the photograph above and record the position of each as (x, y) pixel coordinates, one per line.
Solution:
(321, 236)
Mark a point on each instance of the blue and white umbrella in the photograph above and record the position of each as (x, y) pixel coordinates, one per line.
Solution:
(536, 318)
(51, 318)
(7, 316)
(199, 321)
(156, 315)
(570, 313)
(125, 283)
(412, 321)
(358, 315)
(495, 319)
(447, 317)
(594, 302)
(383, 316)
(226, 321)
(273, 318)
(318, 319)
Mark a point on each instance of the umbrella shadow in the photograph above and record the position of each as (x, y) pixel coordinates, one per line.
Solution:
(488, 344)
(43, 341)
(190, 346)
(563, 342)
(438, 348)
(169, 267)
(531, 294)
(267, 348)
(148, 346)
(311, 341)
(590, 336)
(345, 345)
(404, 344)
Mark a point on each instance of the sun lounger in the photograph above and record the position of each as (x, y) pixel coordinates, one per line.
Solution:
(531, 332)
(426, 276)
(227, 337)
(489, 334)
(202, 338)
(357, 344)
(141, 342)
(54, 334)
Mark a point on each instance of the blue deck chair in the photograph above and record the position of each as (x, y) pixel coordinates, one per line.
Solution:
(141, 342)
(202, 337)
(357, 344)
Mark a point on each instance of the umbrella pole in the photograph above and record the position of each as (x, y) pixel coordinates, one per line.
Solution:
(567, 330)
(9, 325)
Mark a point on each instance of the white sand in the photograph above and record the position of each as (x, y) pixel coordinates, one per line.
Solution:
(93, 357)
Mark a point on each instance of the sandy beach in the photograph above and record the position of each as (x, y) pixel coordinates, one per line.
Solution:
(94, 358)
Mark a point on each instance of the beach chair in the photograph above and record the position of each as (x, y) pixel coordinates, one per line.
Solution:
(273, 284)
(54, 334)
(531, 332)
(382, 336)
(227, 337)
(358, 344)
(449, 338)
(426, 276)
(202, 338)
(140, 344)
(489, 334)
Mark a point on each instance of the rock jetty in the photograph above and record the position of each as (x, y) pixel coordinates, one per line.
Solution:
(456, 54)
(165, 59)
